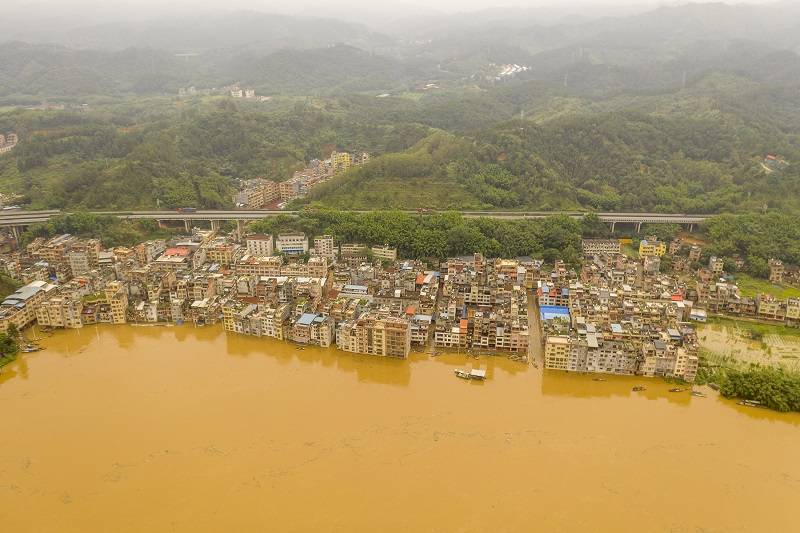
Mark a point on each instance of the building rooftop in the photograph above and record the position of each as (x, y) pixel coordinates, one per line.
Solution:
(306, 319)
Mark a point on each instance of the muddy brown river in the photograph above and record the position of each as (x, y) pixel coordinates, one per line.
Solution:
(123, 429)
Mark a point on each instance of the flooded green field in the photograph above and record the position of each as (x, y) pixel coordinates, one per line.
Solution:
(131, 429)
(739, 344)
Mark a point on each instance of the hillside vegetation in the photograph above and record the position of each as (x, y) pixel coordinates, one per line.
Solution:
(673, 110)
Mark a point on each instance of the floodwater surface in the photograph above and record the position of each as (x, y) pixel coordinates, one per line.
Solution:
(122, 428)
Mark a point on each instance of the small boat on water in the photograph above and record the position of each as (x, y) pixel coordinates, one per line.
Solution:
(698, 394)
(598, 379)
(751, 403)
(30, 348)
(677, 389)
(472, 374)
(639, 388)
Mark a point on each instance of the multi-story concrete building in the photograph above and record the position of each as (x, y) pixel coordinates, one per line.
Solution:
(291, 189)
(60, 311)
(147, 252)
(8, 142)
(716, 265)
(373, 335)
(258, 266)
(292, 243)
(557, 353)
(117, 297)
(222, 252)
(341, 161)
(384, 253)
(259, 245)
(324, 246)
(776, 271)
(312, 328)
(19, 308)
(652, 246)
(601, 246)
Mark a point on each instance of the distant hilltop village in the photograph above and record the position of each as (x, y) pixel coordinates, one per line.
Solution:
(234, 91)
(8, 142)
(257, 193)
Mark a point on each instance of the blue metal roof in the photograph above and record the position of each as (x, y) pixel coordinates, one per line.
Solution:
(306, 319)
(549, 312)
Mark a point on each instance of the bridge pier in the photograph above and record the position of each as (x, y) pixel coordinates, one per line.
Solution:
(691, 227)
(161, 224)
(186, 225)
(638, 227)
(613, 226)
(215, 225)
(239, 229)
(15, 232)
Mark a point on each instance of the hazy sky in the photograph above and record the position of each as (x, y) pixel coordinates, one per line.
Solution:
(47, 15)
(304, 6)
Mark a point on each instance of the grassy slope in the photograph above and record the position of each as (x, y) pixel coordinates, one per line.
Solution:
(751, 287)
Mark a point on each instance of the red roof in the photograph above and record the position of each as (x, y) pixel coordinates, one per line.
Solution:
(410, 310)
(178, 250)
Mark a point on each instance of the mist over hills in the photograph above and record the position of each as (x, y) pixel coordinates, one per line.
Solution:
(647, 51)
(504, 108)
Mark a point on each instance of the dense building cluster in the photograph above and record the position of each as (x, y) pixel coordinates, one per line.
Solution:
(618, 315)
(354, 296)
(8, 142)
(261, 192)
(484, 305)
(615, 314)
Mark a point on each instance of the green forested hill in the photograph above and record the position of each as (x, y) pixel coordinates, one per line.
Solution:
(182, 156)
(671, 110)
(699, 151)
(604, 161)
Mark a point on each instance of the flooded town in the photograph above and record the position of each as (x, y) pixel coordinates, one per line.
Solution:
(354, 266)
(285, 364)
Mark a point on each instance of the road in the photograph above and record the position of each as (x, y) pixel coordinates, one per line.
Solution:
(535, 345)
(20, 217)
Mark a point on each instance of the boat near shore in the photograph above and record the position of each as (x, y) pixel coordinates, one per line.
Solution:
(751, 403)
(477, 374)
(30, 348)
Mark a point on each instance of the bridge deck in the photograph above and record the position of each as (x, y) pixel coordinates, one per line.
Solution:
(25, 218)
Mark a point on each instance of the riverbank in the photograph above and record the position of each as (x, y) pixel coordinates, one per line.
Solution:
(7, 359)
